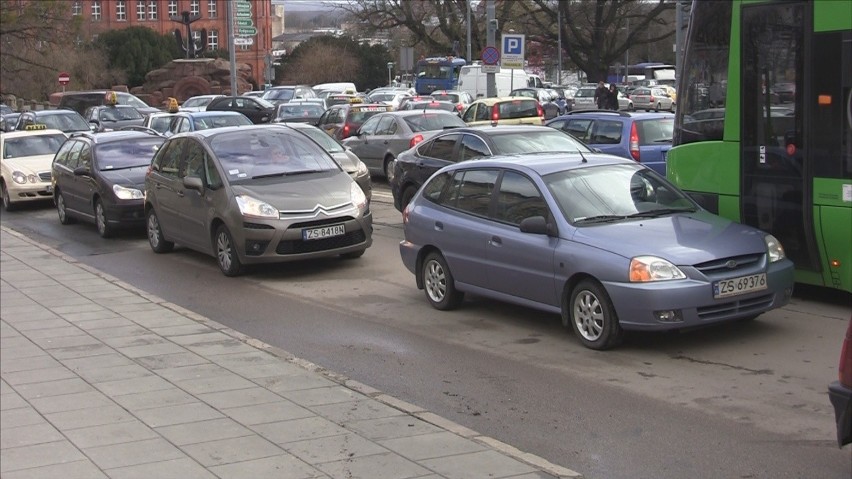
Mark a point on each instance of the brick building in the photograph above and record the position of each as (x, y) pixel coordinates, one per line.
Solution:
(102, 15)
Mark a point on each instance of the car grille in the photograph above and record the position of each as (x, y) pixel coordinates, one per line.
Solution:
(44, 176)
(322, 222)
(723, 265)
(299, 246)
(726, 310)
(257, 226)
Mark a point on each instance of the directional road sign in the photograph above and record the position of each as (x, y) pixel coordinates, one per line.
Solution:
(246, 31)
(512, 51)
(243, 6)
(244, 22)
(243, 41)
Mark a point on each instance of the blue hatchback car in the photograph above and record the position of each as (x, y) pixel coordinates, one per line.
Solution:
(608, 244)
(643, 137)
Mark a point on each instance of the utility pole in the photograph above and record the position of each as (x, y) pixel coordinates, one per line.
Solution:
(678, 37)
(469, 48)
(559, 45)
(231, 48)
(491, 13)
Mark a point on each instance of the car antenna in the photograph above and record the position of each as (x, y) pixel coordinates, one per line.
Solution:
(582, 156)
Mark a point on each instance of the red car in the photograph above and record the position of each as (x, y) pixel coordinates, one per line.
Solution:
(840, 392)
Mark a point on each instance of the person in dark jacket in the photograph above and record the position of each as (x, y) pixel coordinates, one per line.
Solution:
(601, 95)
(612, 98)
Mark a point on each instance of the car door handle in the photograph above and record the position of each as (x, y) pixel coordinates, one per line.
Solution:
(439, 226)
(495, 241)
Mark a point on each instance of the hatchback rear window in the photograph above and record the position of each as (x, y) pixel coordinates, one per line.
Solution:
(655, 132)
(517, 109)
(433, 122)
(358, 116)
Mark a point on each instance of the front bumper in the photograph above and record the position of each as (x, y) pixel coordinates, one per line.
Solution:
(127, 214)
(29, 192)
(841, 399)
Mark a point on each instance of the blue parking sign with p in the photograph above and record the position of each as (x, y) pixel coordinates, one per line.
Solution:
(513, 45)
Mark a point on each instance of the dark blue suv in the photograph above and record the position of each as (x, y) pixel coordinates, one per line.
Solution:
(643, 137)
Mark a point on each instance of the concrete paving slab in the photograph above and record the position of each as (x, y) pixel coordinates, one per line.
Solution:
(23, 416)
(172, 396)
(61, 331)
(284, 466)
(11, 401)
(477, 465)
(166, 361)
(151, 350)
(43, 361)
(333, 448)
(239, 397)
(320, 396)
(312, 427)
(177, 414)
(391, 427)
(84, 469)
(70, 402)
(114, 373)
(35, 456)
(106, 434)
(223, 382)
(88, 417)
(183, 468)
(133, 386)
(282, 410)
(377, 466)
(204, 431)
(429, 446)
(99, 362)
(133, 453)
(38, 375)
(346, 412)
(29, 435)
(81, 351)
(225, 451)
(53, 388)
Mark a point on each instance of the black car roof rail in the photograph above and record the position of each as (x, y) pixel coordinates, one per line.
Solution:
(619, 113)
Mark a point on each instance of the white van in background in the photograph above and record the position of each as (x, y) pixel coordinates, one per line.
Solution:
(340, 87)
(473, 81)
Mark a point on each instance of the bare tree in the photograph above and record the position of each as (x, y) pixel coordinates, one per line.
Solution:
(321, 64)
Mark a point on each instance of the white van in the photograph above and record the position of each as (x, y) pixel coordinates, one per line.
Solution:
(473, 81)
(340, 87)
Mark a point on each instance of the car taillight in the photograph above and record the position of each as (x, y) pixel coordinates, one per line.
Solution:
(495, 113)
(652, 99)
(634, 142)
(405, 214)
(417, 139)
(539, 110)
(346, 130)
(845, 370)
(459, 107)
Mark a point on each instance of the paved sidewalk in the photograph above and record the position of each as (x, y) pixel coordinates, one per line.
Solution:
(102, 380)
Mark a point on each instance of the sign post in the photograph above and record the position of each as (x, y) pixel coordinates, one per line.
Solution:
(512, 54)
(64, 79)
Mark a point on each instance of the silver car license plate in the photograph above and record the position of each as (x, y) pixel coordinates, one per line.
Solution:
(323, 232)
(740, 285)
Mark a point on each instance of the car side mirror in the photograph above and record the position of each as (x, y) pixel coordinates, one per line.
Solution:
(537, 225)
(81, 171)
(193, 183)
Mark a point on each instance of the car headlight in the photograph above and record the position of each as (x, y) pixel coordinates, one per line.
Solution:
(644, 269)
(774, 248)
(19, 177)
(124, 193)
(255, 208)
(362, 169)
(359, 199)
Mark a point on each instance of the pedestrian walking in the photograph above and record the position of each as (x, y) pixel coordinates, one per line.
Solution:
(601, 95)
(612, 98)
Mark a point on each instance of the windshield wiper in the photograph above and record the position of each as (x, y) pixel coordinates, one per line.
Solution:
(287, 173)
(663, 140)
(126, 167)
(661, 212)
(600, 219)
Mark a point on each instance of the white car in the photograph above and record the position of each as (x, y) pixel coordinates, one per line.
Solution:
(25, 164)
(198, 103)
(652, 98)
(584, 99)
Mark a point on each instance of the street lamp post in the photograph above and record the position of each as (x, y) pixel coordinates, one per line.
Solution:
(390, 69)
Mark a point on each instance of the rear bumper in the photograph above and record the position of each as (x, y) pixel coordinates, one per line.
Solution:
(841, 399)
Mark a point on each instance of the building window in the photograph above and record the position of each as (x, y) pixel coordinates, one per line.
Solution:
(152, 10)
(211, 8)
(195, 7)
(245, 47)
(77, 8)
(213, 40)
(140, 10)
(120, 11)
(196, 38)
(96, 10)
(172, 8)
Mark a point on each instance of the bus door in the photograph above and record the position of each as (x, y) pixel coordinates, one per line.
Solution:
(775, 163)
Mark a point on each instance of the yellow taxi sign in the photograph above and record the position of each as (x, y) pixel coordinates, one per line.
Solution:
(110, 98)
(172, 105)
(36, 126)
(356, 99)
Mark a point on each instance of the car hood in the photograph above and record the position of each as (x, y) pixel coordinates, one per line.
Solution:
(302, 192)
(29, 164)
(683, 239)
(134, 177)
(347, 160)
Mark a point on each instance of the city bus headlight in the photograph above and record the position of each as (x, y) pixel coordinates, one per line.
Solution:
(774, 248)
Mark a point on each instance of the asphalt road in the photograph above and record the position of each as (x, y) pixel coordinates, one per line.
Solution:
(745, 400)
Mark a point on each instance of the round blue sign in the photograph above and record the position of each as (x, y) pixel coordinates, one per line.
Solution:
(490, 56)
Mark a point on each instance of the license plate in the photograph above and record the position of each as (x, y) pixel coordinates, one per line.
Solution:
(49, 188)
(324, 232)
(741, 285)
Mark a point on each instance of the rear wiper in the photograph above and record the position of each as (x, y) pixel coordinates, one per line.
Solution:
(600, 219)
(663, 140)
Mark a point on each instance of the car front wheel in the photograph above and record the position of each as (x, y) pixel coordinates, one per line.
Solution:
(62, 210)
(438, 283)
(104, 228)
(155, 234)
(592, 316)
(226, 253)
(7, 200)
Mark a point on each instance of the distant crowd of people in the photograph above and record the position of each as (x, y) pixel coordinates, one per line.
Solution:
(606, 98)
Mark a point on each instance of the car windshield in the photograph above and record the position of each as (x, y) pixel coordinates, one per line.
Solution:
(260, 153)
(299, 111)
(119, 114)
(446, 97)
(197, 102)
(279, 94)
(607, 193)
(66, 121)
(378, 97)
(359, 116)
(325, 140)
(219, 121)
(160, 123)
(517, 109)
(584, 92)
(430, 105)
(32, 145)
(429, 122)
(132, 101)
(538, 141)
(127, 153)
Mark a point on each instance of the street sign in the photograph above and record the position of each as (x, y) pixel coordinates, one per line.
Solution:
(243, 6)
(243, 41)
(244, 22)
(512, 54)
(64, 78)
(490, 56)
(490, 68)
(246, 31)
(243, 14)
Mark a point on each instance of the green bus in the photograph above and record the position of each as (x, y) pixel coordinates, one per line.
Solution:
(763, 132)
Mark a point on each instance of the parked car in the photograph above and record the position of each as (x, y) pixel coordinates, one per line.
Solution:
(413, 167)
(340, 121)
(25, 159)
(255, 109)
(254, 93)
(461, 99)
(504, 111)
(67, 121)
(282, 94)
(384, 136)
(8, 121)
(198, 103)
(392, 98)
(5, 109)
(423, 105)
(342, 99)
(113, 117)
(840, 391)
(343, 155)
(546, 98)
(652, 98)
(302, 112)
(159, 122)
(79, 101)
(584, 99)
(643, 137)
(253, 194)
(99, 178)
(203, 120)
(610, 245)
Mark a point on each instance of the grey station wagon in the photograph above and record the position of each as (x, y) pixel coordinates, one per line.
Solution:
(253, 194)
(607, 243)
